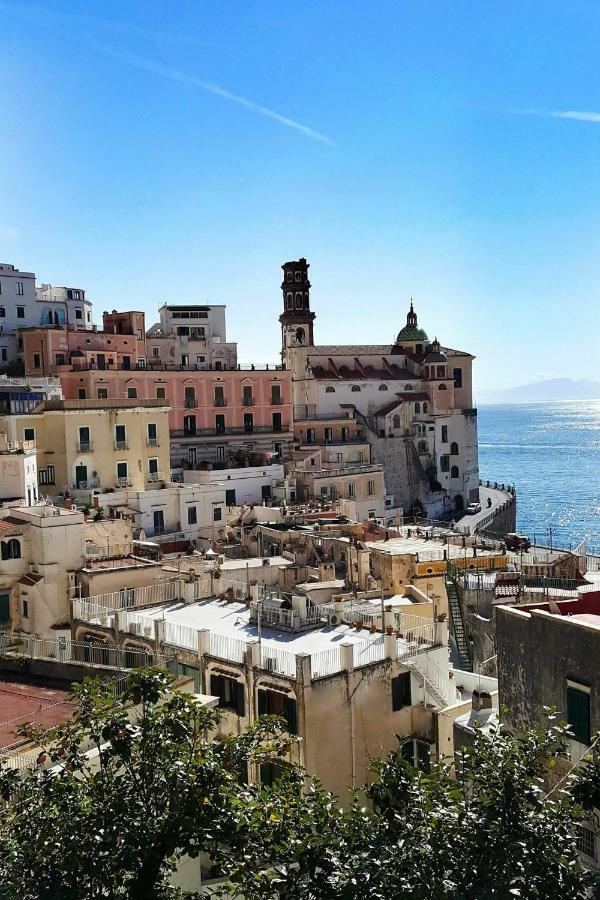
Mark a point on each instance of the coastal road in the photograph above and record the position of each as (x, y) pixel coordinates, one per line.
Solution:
(497, 497)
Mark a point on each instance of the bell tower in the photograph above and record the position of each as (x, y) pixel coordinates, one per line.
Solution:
(296, 318)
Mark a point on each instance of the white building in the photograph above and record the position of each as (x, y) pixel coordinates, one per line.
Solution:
(64, 306)
(191, 335)
(18, 308)
(247, 485)
(18, 471)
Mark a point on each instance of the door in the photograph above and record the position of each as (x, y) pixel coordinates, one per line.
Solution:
(80, 475)
(266, 491)
(159, 521)
(4, 608)
(101, 360)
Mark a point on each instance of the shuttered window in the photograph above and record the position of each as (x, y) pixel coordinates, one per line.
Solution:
(272, 703)
(401, 695)
(230, 693)
(578, 714)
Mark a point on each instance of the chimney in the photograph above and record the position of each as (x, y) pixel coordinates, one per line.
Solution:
(481, 700)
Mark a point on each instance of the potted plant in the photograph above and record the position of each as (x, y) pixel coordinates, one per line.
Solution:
(389, 629)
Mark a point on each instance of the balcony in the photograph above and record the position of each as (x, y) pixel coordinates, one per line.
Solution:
(215, 432)
(276, 401)
(92, 484)
(152, 442)
(156, 476)
(248, 401)
(123, 482)
(121, 445)
(84, 447)
(220, 401)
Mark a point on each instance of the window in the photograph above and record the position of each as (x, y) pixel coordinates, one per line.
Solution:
(121, 437)
(408, 387)
(417, 408)
(417, 753)
(29, 434)
(59, 359)
(185, 359)
(2, 312)
(247, 395)
(79, 314)
(329, 389)
(344, 434)
(138, 334)
(425, 407)
(161, 393)
(50, 474)
(275, 394)
(102, 394)
(20, 294)
(189, 426)
(445, 463)
(289, 276)
(219, 395)
(131, 393)
(270, 773)
(586, 841)
(351, 489)
(81, 393)
(153, 465)
(441, 371)
(248, 422)
(396, 421)
(4, 354)
(159, 521)
(457, 375)
(355, 389)
(217, 514)
(444, 434)
(401, 695)
(155, 352)
(25, 609)
(4, 608)
(230, 497)
(297, 276)
(190, 397)
(231, 693)
(122, 471)
(454, 473)
(328, 433)
(37, 361)
(152, 435)
(289, 299)
(370, 487)
(578, 712)
(84, 439)
(383, 387)
(220, 424)
(11, 549)
(192, 515)
(277, 421)
(453, 449)
(310, 435)
(272, 703)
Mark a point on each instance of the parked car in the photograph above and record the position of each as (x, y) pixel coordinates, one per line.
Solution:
(473, 508)
(517, 542)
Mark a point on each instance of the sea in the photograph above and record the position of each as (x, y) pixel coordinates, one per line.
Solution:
(551, 453)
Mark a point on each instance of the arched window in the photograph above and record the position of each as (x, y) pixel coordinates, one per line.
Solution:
(417, 408)
(442, 387)
(408, 387)
(453, 449)
(298, 300)
(425, 407)
(11, 549)
(289, 299)
(396, 421)
(383, 387)
(355, 388)
(329, 389)
(454, 472)
(300, 335)
(343, 370)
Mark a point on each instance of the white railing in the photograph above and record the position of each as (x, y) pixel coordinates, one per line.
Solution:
(225, 647)
(592, 563)
(89, 485)
(86, 611)
(416, 640)
(288, 618)
(97, 654)
(136, 623)
(438, 683)
(129, 598)
(326, 662)
(280, 661)
(156, 476)
(368, 652)
(181, 635)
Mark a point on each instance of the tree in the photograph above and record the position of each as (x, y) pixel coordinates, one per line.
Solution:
(136, 783)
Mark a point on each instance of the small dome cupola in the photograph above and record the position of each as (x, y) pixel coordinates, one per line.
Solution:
(411, 333)
(435, 353)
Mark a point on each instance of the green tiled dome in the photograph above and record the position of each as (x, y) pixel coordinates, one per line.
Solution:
(411, 331)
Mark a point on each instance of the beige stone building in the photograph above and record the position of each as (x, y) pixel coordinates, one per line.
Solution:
(95, 445)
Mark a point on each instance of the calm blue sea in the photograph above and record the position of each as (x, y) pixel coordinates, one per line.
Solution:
(551, 452)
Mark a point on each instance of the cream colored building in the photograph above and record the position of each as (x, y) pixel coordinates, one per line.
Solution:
(96, 445)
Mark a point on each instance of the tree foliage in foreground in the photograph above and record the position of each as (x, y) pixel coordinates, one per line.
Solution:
(165, 789)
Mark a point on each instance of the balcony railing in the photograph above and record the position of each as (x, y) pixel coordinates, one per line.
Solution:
(248, 401)
(123, 482)
(90, 485)
(220, 401)
(156, 476)
(152, 442)
(84, 447)
(212, 432)
(121, 445)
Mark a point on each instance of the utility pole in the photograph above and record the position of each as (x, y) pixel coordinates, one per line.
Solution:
(550, 532)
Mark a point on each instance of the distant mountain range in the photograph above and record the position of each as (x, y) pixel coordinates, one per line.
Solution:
(553, 389)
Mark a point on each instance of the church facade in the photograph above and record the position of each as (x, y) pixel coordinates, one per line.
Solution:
(410, 401)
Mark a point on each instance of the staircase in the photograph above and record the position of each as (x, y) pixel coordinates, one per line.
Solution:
(458, 627)
(436, 683)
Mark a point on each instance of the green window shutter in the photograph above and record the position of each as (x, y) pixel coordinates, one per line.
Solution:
(291, 716)
(240, 698)
(578, 714)
(4, 608)
(262, 703)
(216, 687)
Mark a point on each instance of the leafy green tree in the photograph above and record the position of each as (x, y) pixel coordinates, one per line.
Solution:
(135, 783)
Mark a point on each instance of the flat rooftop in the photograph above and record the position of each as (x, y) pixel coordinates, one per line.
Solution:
(24, 700)
(435, 549)
(121, 562)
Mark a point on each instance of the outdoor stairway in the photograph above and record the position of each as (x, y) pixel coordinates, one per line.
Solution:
(458, 627)
(437, 684)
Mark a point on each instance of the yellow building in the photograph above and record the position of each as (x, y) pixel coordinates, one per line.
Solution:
(96, 445)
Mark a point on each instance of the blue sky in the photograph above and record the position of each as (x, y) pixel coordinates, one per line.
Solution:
(178, 150)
